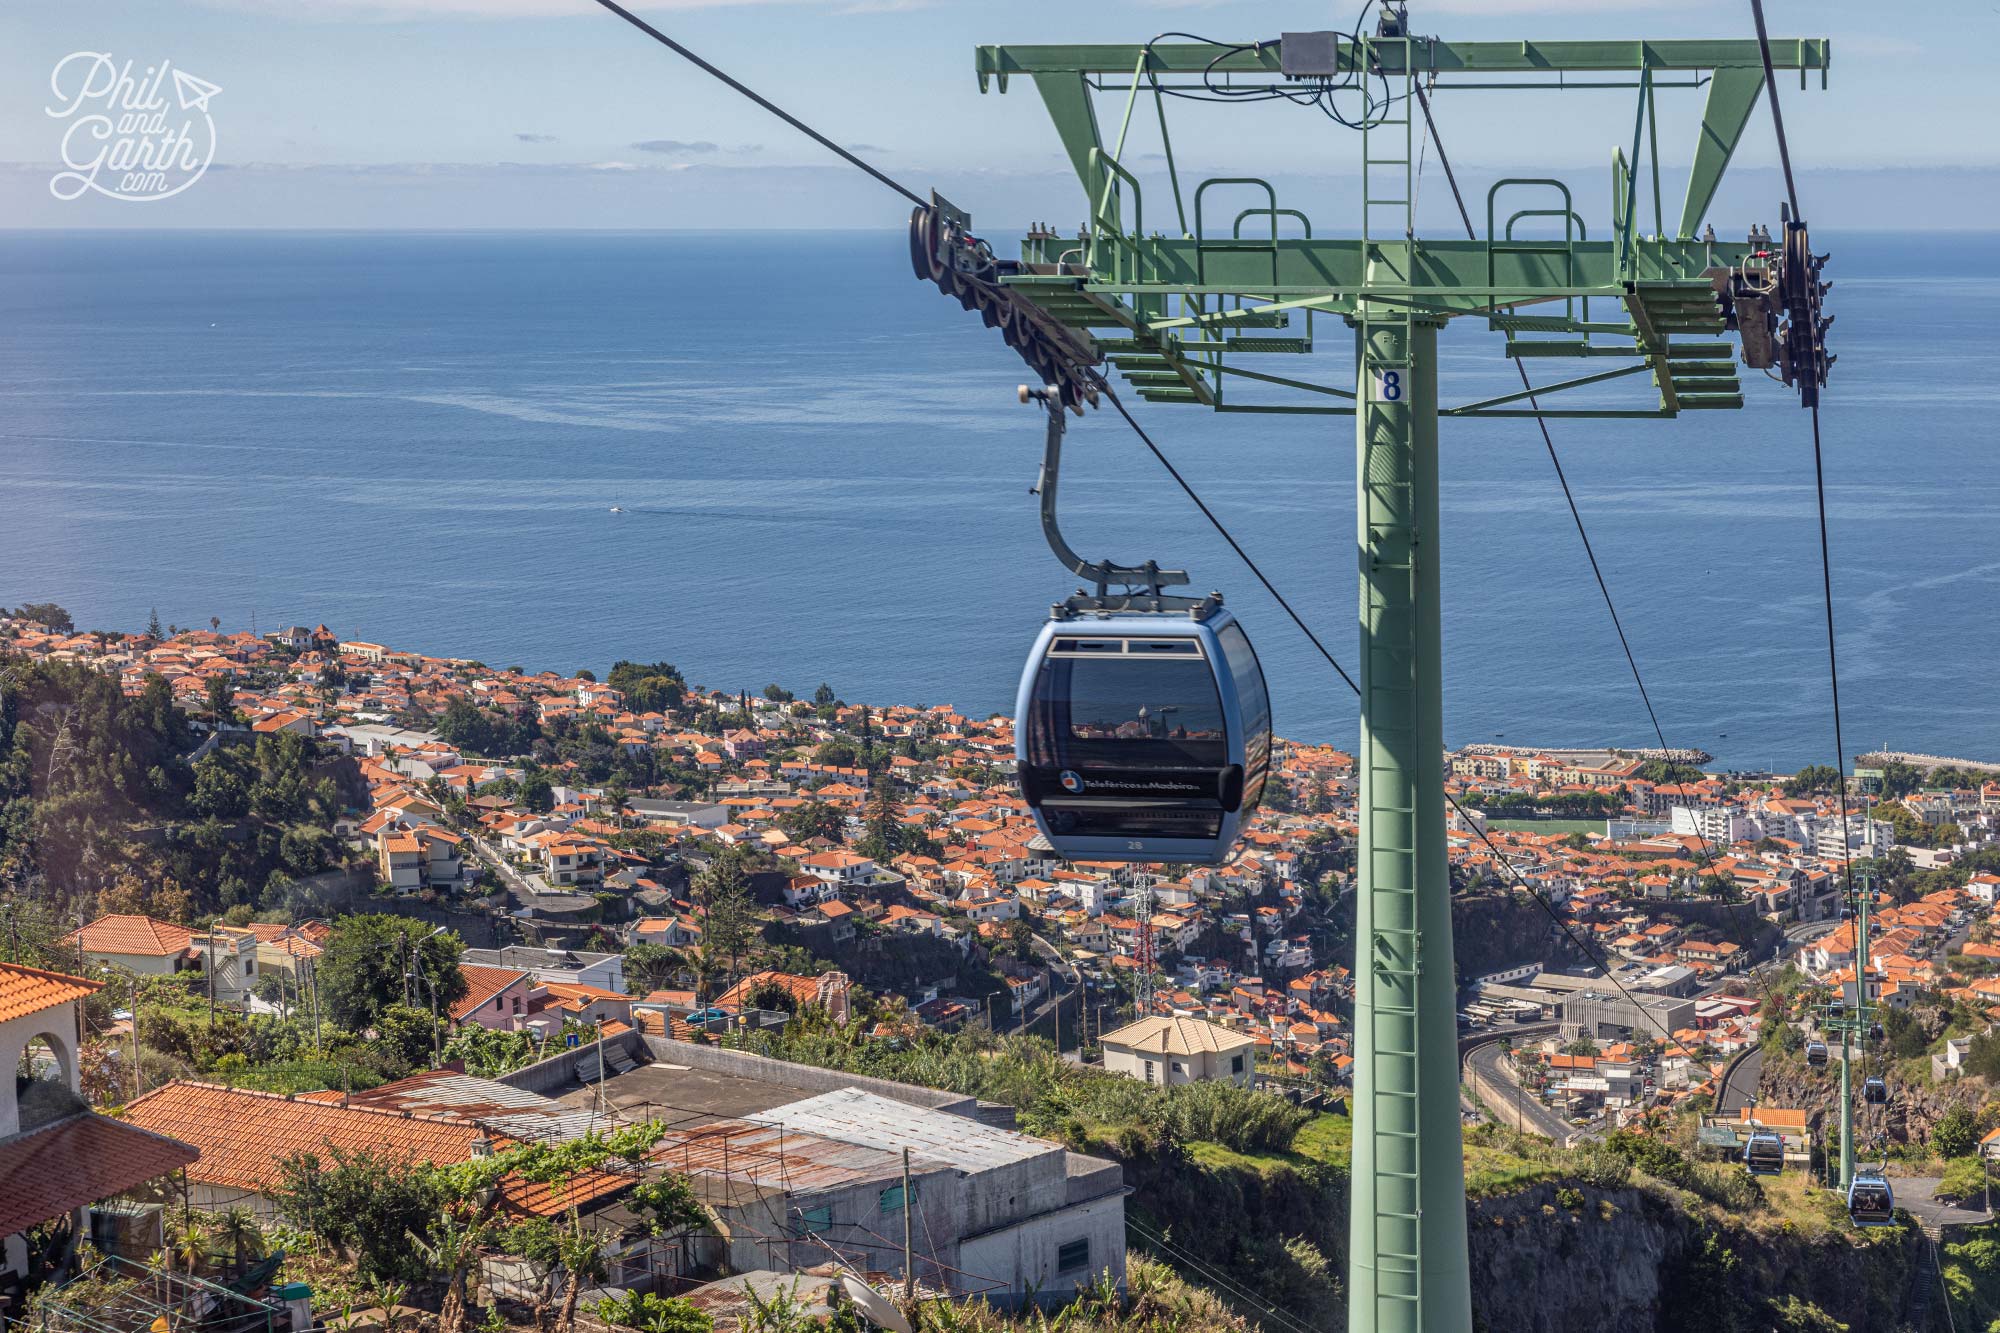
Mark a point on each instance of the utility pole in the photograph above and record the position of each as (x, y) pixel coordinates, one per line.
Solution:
(909, 1255)
(138, 1078)
(211, 974)
(1170, 309)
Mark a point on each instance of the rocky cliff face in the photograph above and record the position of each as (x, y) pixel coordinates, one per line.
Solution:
(1913, 1107)
(1549, 1259)
(1555, 1260)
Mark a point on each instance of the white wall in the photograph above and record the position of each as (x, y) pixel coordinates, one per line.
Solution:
(1025, 1255)
(56, 1026)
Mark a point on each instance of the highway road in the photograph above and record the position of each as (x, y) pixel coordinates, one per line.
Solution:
(1741, 1087)
(1481, 1052)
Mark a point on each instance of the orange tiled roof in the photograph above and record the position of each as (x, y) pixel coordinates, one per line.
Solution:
(138, 935)
(482, 984)
(29, 990)
(78, 1160)
(243, 1135)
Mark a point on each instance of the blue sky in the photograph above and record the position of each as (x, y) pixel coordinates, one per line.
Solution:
(554, 113)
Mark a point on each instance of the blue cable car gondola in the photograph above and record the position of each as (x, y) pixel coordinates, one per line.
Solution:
(1142, 725)
(1764, 1154)
(1816, 1054)
(1874, 1091)
(1143, 736)
(1870, 1200)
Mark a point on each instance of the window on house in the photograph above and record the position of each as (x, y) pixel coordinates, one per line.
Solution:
(891, 1199)
(1073, 1256)
(1149, 1071)
(1236, 1065)
(817, 1219)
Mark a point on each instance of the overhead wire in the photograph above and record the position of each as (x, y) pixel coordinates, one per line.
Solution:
(1231, 1286)
(763, 101)
(1105, 388)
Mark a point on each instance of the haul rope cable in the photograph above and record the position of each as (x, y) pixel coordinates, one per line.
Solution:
(1105, 387)
(1819, 476)
(1706, 854)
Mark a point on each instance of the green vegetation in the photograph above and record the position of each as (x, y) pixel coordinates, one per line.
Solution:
(1964, 1178)
(368, 963)
(100, 809)
(1080, 1106)
(648, 687)
(653, 1314)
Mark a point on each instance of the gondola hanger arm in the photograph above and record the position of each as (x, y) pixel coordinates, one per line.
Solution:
(1148, 579)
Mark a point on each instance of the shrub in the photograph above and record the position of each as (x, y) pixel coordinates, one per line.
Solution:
(1569, 1198)
(1235, 1117)
(1964, 1177)
(654, 1314)
(1956, 1133)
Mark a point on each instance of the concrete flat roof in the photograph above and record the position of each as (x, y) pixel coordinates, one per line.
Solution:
(685, 1097)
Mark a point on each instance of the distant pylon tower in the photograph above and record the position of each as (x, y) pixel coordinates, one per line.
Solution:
(1142, 955)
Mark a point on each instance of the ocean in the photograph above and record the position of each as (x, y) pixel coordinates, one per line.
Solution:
(824, 476)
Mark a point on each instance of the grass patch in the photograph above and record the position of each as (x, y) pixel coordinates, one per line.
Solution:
(1548, 825)
(1327, 1138)
(1491, 1170)
(1218, 1158)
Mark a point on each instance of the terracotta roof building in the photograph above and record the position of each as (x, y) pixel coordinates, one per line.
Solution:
(244, 1136)
(56, 1156)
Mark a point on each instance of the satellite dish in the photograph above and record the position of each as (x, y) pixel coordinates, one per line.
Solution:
(874, 1304)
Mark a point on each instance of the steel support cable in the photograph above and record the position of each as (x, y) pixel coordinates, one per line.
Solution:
(1105, 387)
(763, 101)
(1777, 116)
(1548, 442)
(1819, 495)
(1314, 639)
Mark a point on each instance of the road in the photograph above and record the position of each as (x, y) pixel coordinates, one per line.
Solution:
(1913, 1194)
(1741, 1088)
(1522, 1111)
(1482, 1053)
(506, 873)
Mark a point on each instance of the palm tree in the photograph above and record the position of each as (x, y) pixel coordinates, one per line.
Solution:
(239, 1229)
(187, 1242)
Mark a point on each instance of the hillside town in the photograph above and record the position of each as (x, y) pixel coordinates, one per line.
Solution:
(870, 826)
(650, 887)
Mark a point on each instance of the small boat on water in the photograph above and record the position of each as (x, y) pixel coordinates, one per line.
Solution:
(617, 509)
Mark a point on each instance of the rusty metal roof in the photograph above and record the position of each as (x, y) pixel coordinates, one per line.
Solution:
(771, 1157)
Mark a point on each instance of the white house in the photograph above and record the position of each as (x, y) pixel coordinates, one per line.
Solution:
(1179, 1050)
(56, 1155)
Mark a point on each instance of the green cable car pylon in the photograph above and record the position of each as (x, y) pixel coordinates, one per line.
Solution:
(1197, 314)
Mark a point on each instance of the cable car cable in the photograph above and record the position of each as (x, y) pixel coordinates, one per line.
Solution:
(1458, 197)
(903, 190)
(762, 101)
(1105, 388)
(1548, 907)
(1777, 116)
(1548, 442)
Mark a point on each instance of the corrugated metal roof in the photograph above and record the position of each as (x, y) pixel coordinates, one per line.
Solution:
(517, 1113)
(850, 1115)
(775, 1157)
